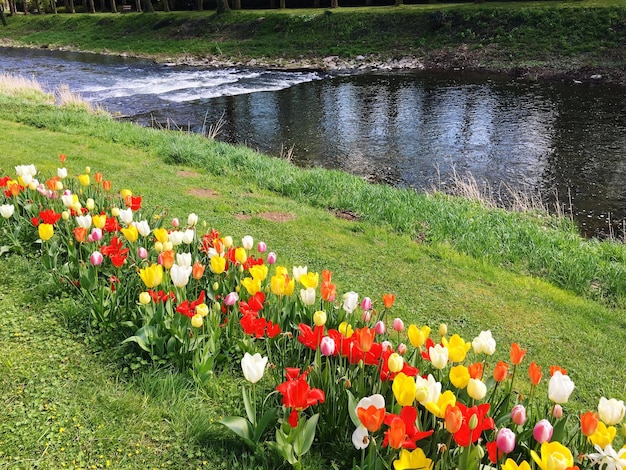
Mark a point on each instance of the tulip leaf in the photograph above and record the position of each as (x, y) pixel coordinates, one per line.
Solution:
(241, 427)
(352, 409)
(264, 422)
(558, 431)
(249, 404)
(303, 443)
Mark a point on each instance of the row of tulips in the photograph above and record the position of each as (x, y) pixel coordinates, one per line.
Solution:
(182, 293)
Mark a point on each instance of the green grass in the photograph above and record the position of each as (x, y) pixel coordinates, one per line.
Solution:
(510, 33)
(49, 369)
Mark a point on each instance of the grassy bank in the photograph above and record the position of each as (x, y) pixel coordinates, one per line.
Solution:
(501, 36)
(52, 379)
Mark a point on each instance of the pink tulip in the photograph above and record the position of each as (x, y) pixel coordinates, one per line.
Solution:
(542, 431)
(271, 257)
(261, 247)
(327, 346)
(175, 222)
(398, 324)
(557, 411)
(96, 258)
(505, 440)
(380, 328)
(518, 415)
(231, 298)
(142, 252)
(401, 349)
(387, 346)
(96, 234)
(367, 316)
(366, 303)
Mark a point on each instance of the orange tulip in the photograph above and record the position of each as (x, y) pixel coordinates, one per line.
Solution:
(167, 259)
(365, 338)
(453, 419)
(534, 372)
(553, 369)
(371, 417)
(501, 371)
(328, 289)
(476, 370)
(588, 423)
(388, 300)
(80, 233)
(396, 433)
(517, 354)
(197, 270)
(62, 157)
(106, 185)
(98, 177)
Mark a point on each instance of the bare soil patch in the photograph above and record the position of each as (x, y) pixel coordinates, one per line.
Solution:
(202, 193)
(187, 174)
(271, 216)
(346, 215)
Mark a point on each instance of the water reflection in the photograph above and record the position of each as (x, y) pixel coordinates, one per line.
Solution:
(404, 129)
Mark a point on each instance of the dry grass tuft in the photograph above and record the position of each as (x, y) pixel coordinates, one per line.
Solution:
(68, 99)
(17, 85)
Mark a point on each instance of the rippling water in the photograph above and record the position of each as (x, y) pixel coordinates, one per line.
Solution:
(405, 129)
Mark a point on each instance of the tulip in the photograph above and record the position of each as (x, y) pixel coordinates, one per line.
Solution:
(560, 388)
(152, 276)
(453, 419)
(327, 346)
(604, 435)
(96, 234)
(360, 437)
(438, 356)
(218, 264)
(395, 362)
(253, 367)
(557, 411)
(192, 220)
(443, 329)
(83, 179)
(175, 237)
(83, 221)
(459, 376)
(231, 299)
(366, 303)
(319, 318)
(505, 440)
(126, 216)
(388, 300)
(476, 389)
(371, 411)
(197, 270)
(90, 204)
(418, 336)
(517, 354)
(240, 255)
(386, 346)
(130, 233)
(144, 298)
(412, 459)
(402, 349)
(247, 242)
(457, 348)
(588, 423)
(143, 228)
(439, 407)
(611, 411)
(510, 464)
(554, 456)
(518, 415)
(175, 222)
(309, 280)
(367, 316)
(404, 388)
(142, 252)
(484, 343)
(259, 272)
(252, 285)
(46, 231)
(501, 371)
(428, 389)
(62, 172)
(180, 275)
(96, 258)
(350, 301)
(197, 321)
(271, 257)
(380, 327)
(188, 236)
(542, 432)
(7, 210)
(398, 324)
(183, 259)
(160, 234)
(307, 296)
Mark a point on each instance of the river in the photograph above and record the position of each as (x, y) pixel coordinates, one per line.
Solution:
(406, 129)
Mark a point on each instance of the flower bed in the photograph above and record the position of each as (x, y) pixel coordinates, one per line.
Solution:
(322, 367)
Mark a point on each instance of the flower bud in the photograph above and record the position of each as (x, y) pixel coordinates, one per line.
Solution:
(271, 257)
(197, 321)
(401, 349)
(175, 222)
(473, 422)
(319, 318)
(557, 411)
(96, 258)
(192, 220)
(518, 415)
(216, 286)
(367, 316)
(90, 204)
(65, 215)
(144, 298)
(247, 242)
(231, 299)
(398, 324)
(380, 327)
(142, 252)
(366, 303)
(261, 247)
(542, 432)
(96, 234)
(115, 211)
(202, 310)
(443, 329)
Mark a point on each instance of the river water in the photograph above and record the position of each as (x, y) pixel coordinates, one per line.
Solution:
(405, 129)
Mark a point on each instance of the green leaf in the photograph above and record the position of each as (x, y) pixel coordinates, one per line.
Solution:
(241, 427)
(268, 418)
(250, 408)
(303, 443)
(352, 409)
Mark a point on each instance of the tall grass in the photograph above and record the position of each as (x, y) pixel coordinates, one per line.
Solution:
(529, 242)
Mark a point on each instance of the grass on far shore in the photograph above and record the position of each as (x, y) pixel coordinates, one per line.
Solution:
(68, 403)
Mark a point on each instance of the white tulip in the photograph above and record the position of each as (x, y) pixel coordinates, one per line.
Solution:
(438, 356)
(180, 275)
(253, 367)
(7, 210)
(484, 343)
(350, 301)
(612, 411)
(247, 242)
(308, 296)
(560, 388)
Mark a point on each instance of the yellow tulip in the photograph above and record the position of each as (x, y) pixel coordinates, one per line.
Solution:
(45, 231)
(240, 255)
(130, 233)
(282, 285)
(218, 264)
(395, 362)
(197, 321)
(125, 193)
(144, 298)
(310, 280)
(319, 318)
(98, 221)
(418, 336)
(202, 310)
(404, 389)
(412, 459)
(446, 399)
(346, 329)
(459, 376)
(554, 456)
(252, 285)
(457, 348)
(511, 465)
(83, 179)
(152, 276)
(259, 272)
(604, 435)
(160, 234)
